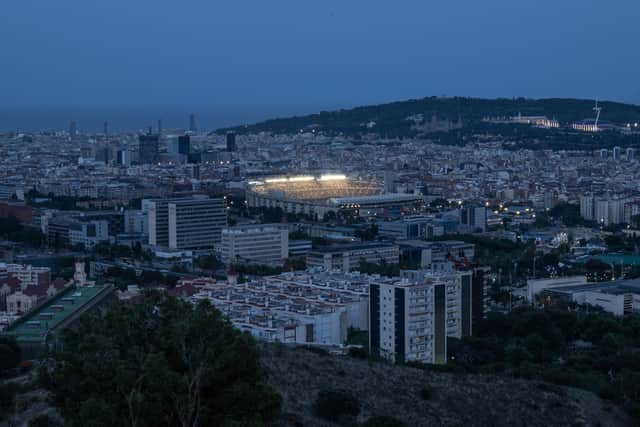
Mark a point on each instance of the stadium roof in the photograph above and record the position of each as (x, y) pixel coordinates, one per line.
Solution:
(376, 198)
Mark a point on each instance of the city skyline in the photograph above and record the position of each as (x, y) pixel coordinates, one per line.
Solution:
(290, 213)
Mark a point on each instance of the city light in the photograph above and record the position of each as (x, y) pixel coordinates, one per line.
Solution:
(333, 177)
(301, 178)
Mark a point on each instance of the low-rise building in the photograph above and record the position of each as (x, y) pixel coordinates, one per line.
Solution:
(618, 297)
(312, 307)
(88, 233)
(434, 255)
(348, 257)
(419, 227)
(265, 244)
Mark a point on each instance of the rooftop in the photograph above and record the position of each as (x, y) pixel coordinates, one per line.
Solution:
(616, 287)
(35, 326)
(352, 247)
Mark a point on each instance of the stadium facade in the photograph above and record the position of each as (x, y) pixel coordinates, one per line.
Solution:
(328, 193)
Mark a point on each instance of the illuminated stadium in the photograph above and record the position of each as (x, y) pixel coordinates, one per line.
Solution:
(319, 195)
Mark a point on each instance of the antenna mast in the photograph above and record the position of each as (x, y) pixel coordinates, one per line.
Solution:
(597, 110)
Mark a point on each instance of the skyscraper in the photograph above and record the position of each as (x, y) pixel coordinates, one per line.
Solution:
(105, 129)
(474, 217)
(159, 127)
(192, 123)
(231, 141)
(147, 149)
(184, 145)
(73, 130)
(123, 157)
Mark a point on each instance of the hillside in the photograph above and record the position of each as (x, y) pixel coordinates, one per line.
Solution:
(413, 117)
(299, 374)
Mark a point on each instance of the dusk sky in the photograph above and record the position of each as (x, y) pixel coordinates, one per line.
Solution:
(348, 52)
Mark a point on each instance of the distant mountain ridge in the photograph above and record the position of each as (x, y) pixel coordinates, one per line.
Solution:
(413, 117)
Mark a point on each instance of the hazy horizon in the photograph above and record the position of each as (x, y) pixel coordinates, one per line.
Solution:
(90, 118)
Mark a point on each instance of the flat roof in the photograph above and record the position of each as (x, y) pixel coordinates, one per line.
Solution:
(615, 287)
(34, 326)
(353, 246)
(625, 259)
(433, 243)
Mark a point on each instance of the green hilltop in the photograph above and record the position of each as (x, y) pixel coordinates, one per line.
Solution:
(412, 117)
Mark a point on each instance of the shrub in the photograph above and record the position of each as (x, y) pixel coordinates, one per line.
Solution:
(383, 421)
(44, 420)
(317, 350)
(426, 392)
(9, 353)
(358, 352)
(8, 393)
(333, 405)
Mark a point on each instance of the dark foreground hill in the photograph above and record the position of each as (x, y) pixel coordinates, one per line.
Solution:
(414, 117)
(426, 398)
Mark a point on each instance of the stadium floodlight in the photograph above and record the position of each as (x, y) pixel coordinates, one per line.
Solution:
(333, 177)
(301, 178)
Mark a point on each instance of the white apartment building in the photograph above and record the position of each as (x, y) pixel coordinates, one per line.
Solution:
(412, 317)
(408, 321)
(312, 307)
(187, 223)
(347, 257)
(266, 244)
(605, 210)
(587, 209)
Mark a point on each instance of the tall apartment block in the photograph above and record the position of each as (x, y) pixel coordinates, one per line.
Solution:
(231, 141)
(186, 223)
(408, 321)
(184, 145)
(148, 149)
(411, 318)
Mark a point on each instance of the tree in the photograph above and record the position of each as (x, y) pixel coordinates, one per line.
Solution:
(9, 353)
(209, 262)
(516, 354)
(44, 420)
(159, 362)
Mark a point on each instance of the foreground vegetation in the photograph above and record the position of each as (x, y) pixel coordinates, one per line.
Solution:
(160, 362)
(597, 352)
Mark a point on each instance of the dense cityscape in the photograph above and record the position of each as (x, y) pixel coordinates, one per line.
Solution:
(403, 249)
(319, 214)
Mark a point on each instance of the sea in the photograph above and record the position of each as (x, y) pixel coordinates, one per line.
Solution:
(91, 119)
